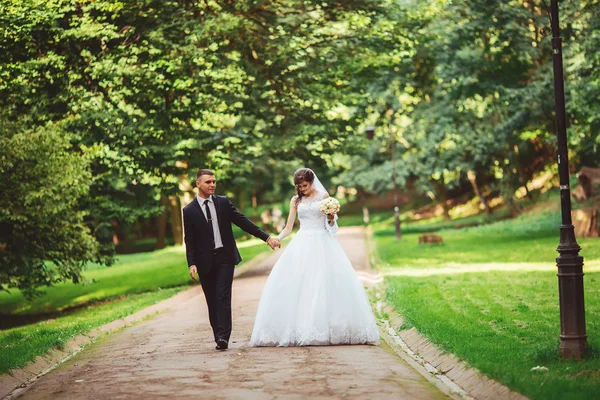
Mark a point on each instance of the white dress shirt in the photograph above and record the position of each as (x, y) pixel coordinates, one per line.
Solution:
(213, 214)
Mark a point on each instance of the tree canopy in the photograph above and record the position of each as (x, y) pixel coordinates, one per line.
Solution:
(137, 95)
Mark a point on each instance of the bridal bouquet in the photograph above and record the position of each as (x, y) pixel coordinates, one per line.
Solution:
(330, 206)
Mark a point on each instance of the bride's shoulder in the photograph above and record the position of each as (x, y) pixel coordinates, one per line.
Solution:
(321, 196)
(294, 203)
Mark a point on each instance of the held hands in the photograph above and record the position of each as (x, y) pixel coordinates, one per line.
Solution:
(273, 243)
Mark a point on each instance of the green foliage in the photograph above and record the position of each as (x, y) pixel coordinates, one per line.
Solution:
(206, 83)
(583, 79)
(159, 89)
(43, 235)
(257, 89)
(474, 94)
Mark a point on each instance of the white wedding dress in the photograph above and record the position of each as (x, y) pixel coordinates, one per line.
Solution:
(312, 296)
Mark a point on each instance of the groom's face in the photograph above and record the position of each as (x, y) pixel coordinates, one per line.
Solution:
(206, 185)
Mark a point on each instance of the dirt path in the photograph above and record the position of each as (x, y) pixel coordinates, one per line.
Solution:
(172, 356)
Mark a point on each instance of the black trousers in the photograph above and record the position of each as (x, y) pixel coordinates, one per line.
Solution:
(217, 289)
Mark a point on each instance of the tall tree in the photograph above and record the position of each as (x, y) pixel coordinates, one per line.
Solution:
(43, 236)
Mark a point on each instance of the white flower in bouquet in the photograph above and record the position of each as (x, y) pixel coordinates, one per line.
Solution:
(330, 206)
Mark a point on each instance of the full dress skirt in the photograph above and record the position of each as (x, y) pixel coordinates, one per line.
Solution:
(313, 296)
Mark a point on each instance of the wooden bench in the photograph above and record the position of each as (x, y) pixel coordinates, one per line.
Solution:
(430, 239)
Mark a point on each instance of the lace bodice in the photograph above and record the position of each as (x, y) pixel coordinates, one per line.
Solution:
(309, 214)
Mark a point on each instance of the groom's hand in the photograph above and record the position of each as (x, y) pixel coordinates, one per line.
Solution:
(193, 272)
(273, 242)
(270, 243)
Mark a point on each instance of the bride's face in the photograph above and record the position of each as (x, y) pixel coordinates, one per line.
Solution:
(305, 187)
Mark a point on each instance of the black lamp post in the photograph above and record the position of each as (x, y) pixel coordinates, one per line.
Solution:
(370, 131)
(573, 339)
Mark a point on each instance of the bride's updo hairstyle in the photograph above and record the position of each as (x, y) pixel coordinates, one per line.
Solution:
(302, 175)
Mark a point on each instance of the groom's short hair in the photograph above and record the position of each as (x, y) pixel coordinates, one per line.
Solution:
(204, 172)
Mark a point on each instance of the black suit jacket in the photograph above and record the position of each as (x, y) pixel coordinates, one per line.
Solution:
(197, 236)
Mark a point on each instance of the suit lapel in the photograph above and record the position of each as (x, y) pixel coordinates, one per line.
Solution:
(200, 212)
(217, 202)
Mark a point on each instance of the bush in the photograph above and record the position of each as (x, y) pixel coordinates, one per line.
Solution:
(43, 237)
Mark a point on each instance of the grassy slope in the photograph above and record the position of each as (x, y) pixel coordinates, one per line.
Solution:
(23, 344)
(135, 282)
(489, 295)
(133, 273)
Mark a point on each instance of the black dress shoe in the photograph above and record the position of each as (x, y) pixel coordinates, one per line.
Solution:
(222, 344)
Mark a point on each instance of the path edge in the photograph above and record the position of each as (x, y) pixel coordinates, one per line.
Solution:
(452, 376)
(460, 379)
(16, 381)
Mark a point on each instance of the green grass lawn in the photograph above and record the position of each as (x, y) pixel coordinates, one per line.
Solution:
(411, 225)
(136, 281)
(133, 273)
(23, 344)
(489, 294)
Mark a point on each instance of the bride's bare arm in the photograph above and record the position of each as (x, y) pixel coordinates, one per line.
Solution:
(290, 221)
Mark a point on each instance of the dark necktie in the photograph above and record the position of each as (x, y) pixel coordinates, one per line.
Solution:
(210, 225)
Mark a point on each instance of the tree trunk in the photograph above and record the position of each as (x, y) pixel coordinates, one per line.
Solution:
(508, 192)
(177, 204)
(510, 201)
(523, 177)
(176, 219)
(162, 230)
(365, 211)
(162, 223)
(473, 179)
(241, 200)
(586, 222)
(440, 188)
(254, 204)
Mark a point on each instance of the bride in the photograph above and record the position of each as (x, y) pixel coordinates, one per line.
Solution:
(312, 296)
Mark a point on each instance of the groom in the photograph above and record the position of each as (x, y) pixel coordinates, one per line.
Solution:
(211, 250)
